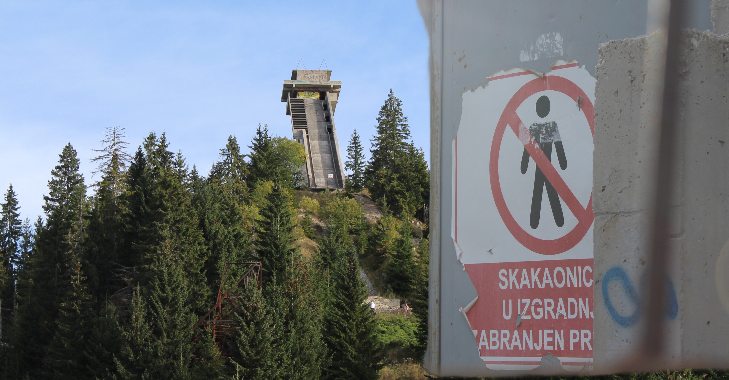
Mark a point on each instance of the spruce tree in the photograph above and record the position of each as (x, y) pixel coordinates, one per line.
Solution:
(231, 170)
(169, 308)
(106, 221)
(161, 217)
(65, 358)
(290, 290)
(10, 229)
(27, 245)
(169, 251)
(416, 182)
(420, 294)
(45, 287)
(262, 160)
(225, 218)
(104, 342)
(396, 171)
(257, 343)
(136, 360)
(275, 237)
(401, 269)
(355, 164)
(335, 244)
(382, 175)
(351, 327)
(275, 159)
(157, 341)
(11, 235)
(303, 322)
(112, 160)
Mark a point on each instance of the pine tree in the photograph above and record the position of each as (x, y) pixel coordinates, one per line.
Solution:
(291, 291)
(355, 164)
(382, 174)
(416, 181)
(11, 234)
(106, 220)
(27, 245)
(139, 220)
(136, 360)
(396, 171)
(335, 244)
(157, 340)
(420, 296)
(65, 359)
(351, 327)
(226, 220)
(258, 340)
(401, 269)
(170, 310)
(275, 159)
(231, 170)
(275, 238)
(261, 166)
(112, 161)
(303, 322)
(104, 343)
(161, 217)
(41, 292)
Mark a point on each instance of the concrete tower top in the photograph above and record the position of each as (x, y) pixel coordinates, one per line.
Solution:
(304, 82)
(315, 76)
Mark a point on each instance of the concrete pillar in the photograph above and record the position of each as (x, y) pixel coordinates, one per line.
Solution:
(720, 16)
(626, 132)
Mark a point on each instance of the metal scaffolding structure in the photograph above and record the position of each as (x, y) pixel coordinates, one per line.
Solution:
(219, 320)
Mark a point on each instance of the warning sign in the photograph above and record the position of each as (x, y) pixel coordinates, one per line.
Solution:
(522, 219)
(538, 140)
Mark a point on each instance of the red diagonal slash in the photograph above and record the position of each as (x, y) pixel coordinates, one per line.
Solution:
(548, 169)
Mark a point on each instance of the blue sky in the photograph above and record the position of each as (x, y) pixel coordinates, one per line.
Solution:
(199, 71)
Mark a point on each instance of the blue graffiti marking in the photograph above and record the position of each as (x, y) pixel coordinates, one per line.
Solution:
(671, 301)
(618, 274)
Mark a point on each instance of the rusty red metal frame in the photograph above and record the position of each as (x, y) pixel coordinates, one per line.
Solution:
(218, 320)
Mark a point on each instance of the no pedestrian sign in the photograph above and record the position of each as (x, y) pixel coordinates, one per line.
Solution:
(522, 216)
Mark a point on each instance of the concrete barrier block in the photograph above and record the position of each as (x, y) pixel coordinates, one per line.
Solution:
(626, 129)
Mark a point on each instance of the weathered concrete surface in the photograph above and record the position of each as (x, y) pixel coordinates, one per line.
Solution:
(720, 16)
(322, 148)
(625, 145)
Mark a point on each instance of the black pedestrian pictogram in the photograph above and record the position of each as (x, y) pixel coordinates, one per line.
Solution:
(545, 134)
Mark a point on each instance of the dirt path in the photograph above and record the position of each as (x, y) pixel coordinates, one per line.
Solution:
(371, 211)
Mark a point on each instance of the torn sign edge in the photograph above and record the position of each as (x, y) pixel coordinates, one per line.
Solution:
(465, 310)
(516, 71)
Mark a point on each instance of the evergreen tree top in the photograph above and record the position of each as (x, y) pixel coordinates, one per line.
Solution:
(10, 211)
(113, 157)
(66, 188)
(392, 124)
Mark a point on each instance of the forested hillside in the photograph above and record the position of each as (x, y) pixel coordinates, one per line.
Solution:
(120, 278)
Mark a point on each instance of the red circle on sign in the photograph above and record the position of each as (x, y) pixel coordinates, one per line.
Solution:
(509, 118)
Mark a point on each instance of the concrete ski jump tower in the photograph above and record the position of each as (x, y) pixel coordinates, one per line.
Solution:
(311, 99)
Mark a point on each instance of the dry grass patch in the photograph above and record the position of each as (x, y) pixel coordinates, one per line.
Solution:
(408, 369)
